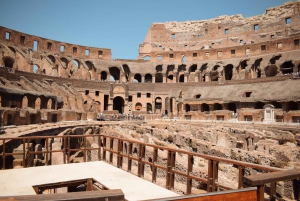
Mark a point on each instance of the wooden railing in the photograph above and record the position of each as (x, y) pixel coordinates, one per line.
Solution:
(115, 151)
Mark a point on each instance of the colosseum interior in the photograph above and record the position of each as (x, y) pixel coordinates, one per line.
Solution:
(207, 106)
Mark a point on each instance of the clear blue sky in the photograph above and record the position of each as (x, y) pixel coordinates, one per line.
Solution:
(119, 25)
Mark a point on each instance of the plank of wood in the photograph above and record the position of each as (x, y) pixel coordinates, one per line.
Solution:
(261, 179)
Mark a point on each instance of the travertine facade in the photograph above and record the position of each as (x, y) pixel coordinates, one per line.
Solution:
(227, 68)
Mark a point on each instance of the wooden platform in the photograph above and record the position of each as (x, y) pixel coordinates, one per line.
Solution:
(20, 181)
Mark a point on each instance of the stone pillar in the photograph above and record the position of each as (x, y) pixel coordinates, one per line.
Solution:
(207, 77)
(186, 76)
(143, 78)
(164, 78)
(175, 77)
(153, 78)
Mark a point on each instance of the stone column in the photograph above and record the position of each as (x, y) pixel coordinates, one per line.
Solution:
(164, 78)
(186, 75)
(153, 78)
(207, 77)
(143, 78)
(175, 77)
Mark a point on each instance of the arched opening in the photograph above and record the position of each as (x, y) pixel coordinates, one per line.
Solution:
(276, 104)
(126, 72)
(204, 107)
(181, 78)
(25, 102)
(118, 104)
(158, 104)
(183, 59)
(138, 106)
(90, 66)
(35, 68)
(51, 58)
(137, 78)
(166, 105)
(64, 62)
(181, 68)
(274, 58)
(103, 76)
(232, 107)
(193, 68)
(259, 105)
(187, 107)
(158, 78)
(170, 78)
(12, 49)
(214, 76)
(148, 78)
(76, 63)
(287, 67)
(244, 64)
(149, 108)
(159, 68)
(9, 62)
(147, 58)
(271, 70)
(37, 104)
(217, 106)
(228, 71)
(115, 73)
(292, 106)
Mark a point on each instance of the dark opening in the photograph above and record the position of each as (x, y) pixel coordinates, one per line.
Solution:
(130, 98)
(137, 78)
(9, 62)
(248, 94)
(10, 119)
(106, 97)
(126, 72)
(276, 104)
(217, 106)
(259, 105)
(22, 39)
(54, 118)
(159, 68)
(158, 78)
(115, 73)
(187, 107)
(87, 92)
(148, 95)
(148, 78)
(193, 68)
(287, 67)
(198, 96)
(228, 72)
(118, 104)
(232, 107)
(158, 103)
(181, 78)
(103, 76)
(292, 105)
(204, 107)
(96, 93)
(271, 70)
(32, 119)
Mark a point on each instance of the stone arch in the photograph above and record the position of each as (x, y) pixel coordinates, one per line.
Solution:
(37, 103)
(158, 78)
(181, 77)
(228, 71)
(115, 73)
(217, 106)
(193, 68)
(287, 67)
(76, 64)
(137, 78)
(126, 72)
(149, 108)
(103, 76)
(159, 68)
(64, 62)
(138, 106)
(8, 62)
(271, 70)
(24, 102)
(158, 104)
(147, 58)
(12, 49)
(204, 107)
(118, 104)
(36, 68)
(51, 58)
(182, 68)
(148, 78)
